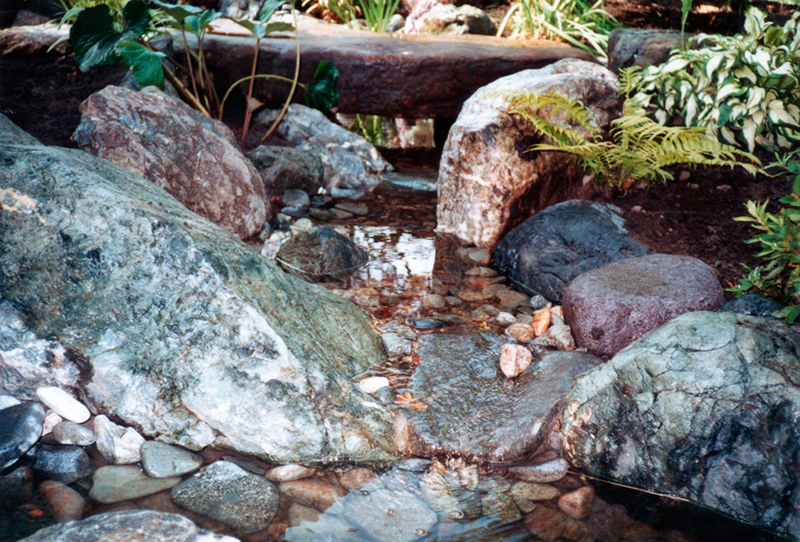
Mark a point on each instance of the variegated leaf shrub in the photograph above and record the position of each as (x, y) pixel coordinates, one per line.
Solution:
(744, 90)
(639, 148)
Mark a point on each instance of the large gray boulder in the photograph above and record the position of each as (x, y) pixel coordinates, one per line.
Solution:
(128, 525)
(192, 157)
(544, 253)
(488, 182)
(473, 410)
(350, 161)
(611, 306)
(704, 408)
(177, 327)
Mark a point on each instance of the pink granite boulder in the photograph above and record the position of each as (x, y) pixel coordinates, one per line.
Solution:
(612, 306)
(194, 158)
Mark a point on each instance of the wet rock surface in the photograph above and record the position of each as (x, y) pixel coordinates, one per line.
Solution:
(488, 182)
(472, 410)
(129, 525)
(20, 429)
(544, 253)
(610, 307)
(320, 254)
(194, 158)
(287, 168)
(707, 414)
(246, 346)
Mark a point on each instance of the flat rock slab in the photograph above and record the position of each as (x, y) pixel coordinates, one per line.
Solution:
(612, 306)
(473, 409)
(408, 76)
(704, 408)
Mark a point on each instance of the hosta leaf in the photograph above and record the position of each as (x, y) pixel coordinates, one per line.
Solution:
(674, 64)
(144, 64)
(728, 90)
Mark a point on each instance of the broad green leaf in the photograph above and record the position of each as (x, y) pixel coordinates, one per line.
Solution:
(279, 27)
(136, 15)
(93, 38)
(321, 94)
(268, 9)
(179, 13)
(198, 23)
(144, 64)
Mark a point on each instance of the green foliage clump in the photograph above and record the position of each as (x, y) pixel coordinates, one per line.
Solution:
(779, 278)
(743, 90)
(576, 22)
(639, 148)
(377, 13)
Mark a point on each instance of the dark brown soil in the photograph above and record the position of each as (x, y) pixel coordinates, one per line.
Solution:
(691, 217)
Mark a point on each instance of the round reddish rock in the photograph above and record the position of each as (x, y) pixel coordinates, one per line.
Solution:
(612, 306)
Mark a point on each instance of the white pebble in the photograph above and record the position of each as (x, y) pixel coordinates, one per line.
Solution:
(514, 359)
(373, 383)
(505, 318)
(119, 445)
(63, 404)
(289, 473)
(551, 471)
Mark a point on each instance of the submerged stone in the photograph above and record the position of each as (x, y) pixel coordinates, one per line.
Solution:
(320, 254)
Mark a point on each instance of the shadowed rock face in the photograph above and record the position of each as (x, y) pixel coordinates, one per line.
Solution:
(474, 410)
(186, 333)
(192, 157)
(704, 408)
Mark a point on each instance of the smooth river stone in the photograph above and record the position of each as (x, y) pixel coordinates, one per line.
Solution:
(552, 471)
(64, 464)
(65, 503)
(514, 359)
(290, 472)
(20, 428)
(230, 495)
(162, 460)
(63, 404)
(115, 483)
(68, 432)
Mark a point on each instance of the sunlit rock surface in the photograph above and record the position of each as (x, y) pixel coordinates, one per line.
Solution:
(181, 330)
(705, 408)
(192, 157)
(488, 182)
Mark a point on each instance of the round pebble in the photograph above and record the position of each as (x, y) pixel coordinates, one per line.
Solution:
(287, 473)
(474, 296)
(514, 359)
(68, 432)
(353, 207)
(116, 483)
(65, 503)
(577, 504)
(540, 322)
(372, 384)
(64, 464)
(534, 491)
(505, 318)
(551, 471)
(520, 332)
(162, 460)
(63, 404)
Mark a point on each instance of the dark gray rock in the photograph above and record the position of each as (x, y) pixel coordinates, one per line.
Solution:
(610, 307)
(476, 412)
(296, 198)
(449, 19)
(229, 494)
(349, 160)
(63, 464)
(488, 181)
(704, 408)
(753, 305)
(16, 487)
(544, 253)
(320, 254)
(192, 157)
(639, 47)
(128, 525)
(182, 330)
(20, 429)
(287, 168)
